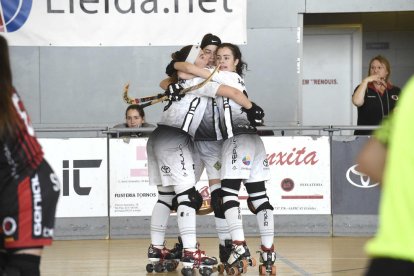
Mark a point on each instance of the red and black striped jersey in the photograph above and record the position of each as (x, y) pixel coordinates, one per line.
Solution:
(21, 153)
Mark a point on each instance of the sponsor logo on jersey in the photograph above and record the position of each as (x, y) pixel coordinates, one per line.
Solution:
(9, 226)
(13, 14)
(37, 206)
(359, 179)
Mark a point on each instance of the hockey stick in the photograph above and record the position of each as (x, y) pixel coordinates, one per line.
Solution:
(162, 97)
(129, 100)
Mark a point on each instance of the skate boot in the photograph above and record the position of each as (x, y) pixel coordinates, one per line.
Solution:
(239, 259)
(267, 258)
(197, 259)
(224, 254)
(163, 259)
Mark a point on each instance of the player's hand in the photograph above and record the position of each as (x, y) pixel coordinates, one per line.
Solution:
(255, 114)
(173, 92)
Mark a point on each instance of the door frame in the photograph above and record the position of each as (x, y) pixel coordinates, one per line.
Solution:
(355, 31)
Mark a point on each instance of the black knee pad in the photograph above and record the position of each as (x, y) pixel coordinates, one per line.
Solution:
(257, 187)
(195, 199)
(265, 205)
(165, 203)
(229, 204)
(23, 265)
(217, 203)
(233, 184)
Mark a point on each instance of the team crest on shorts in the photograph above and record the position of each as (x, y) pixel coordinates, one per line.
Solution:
(217, 165)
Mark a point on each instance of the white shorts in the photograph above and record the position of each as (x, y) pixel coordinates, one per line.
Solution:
(208, 155)
(170, 157)
(244, 157)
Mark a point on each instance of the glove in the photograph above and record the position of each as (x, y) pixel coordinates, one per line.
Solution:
(255, 114)
(173, 92)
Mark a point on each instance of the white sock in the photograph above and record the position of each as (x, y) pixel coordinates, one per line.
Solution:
(186, 218)
(235, 223)
(159, 222)
(266, 227)
(222, 230)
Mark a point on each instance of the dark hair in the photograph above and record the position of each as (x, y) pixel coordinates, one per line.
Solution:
(180, 55)
(210, 39)
(241, 66)
(137, 108)
(8, 114)
(384, 61)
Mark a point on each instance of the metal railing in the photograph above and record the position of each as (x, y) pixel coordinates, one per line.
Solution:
(283, 130)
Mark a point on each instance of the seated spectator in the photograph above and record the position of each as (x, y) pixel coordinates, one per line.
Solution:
(134, 118)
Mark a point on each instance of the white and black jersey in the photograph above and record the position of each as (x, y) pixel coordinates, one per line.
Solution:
(188, 113)
(233, 119)
(209, 128)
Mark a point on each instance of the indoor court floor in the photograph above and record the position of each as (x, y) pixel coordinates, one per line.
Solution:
(295, 256)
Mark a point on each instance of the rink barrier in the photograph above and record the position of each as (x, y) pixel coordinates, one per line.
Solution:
(347, 202)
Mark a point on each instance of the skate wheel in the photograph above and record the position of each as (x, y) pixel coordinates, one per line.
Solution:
(262, 270)
(233, 271)
(149, 268)
(273, 270)
(158, 267)
(170, 267)
(186, 271)
(220, 268)
(205, 271)
(243, 264)
(252, 262)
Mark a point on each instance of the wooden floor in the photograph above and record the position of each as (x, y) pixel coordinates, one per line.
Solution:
(296, 256)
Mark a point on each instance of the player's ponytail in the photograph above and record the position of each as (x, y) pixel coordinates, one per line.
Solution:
(180, 55)
(8, 115)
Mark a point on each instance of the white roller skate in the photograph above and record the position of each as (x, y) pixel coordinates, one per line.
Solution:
(239, 259)
(267, 258)
(197, 259)
(164, 259)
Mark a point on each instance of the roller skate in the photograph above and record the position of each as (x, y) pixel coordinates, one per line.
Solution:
(177, 251)
(239, 259)
(197, 259)
(224, 254)
(164, 259)
(267, 258)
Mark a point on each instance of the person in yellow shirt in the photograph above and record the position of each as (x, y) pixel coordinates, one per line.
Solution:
(389, 157)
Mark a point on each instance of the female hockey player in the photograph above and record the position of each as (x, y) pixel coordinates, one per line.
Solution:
(29, 189)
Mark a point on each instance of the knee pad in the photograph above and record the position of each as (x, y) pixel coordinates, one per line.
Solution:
(195, 200)
(217, 203)
(230, 187)
(167, 198)
(259, 189)
(263, 206)
(231, 203)
(233, 184)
